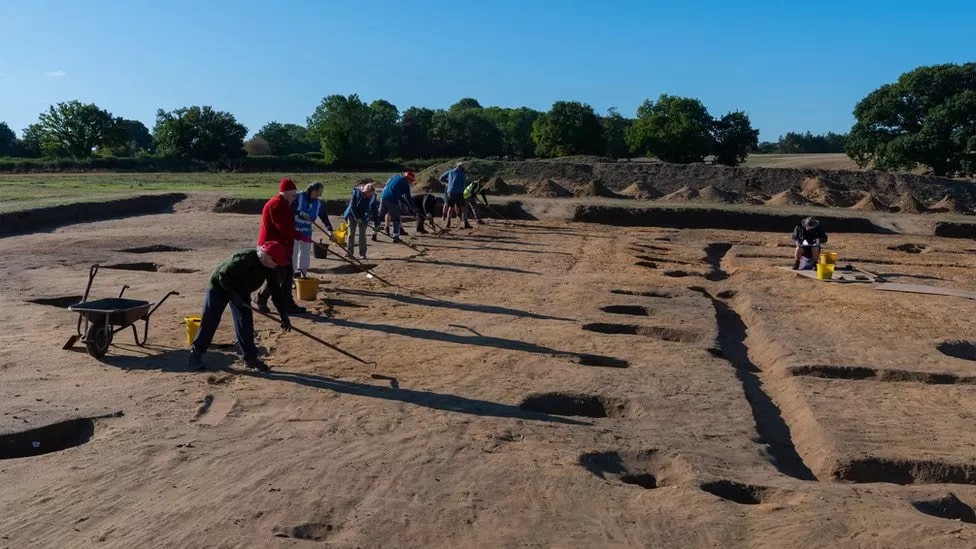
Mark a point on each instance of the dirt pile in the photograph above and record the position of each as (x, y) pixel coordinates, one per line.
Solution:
(821, 191)
(549, 189)
(868, 203)
(789, 197)
(948, 204)
(684, 194)
(640, 190)
(430, 185)
(595, 188)
(714, 194)
(907, 203)
(497, 185)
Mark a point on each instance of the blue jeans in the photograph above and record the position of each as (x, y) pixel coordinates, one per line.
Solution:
(392, 207)
(214, 303)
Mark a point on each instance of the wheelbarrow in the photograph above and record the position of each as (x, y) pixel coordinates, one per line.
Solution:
(101, 319)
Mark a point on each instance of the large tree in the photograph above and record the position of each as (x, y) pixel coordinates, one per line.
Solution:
(927, 117)
(200, 133)
(415, 133)
(568, 128)
(341, 124)
(383, 137)
(615, 128)
(287, 138)
(78, 129)
(135, 137)
(30, 142)
(733, 138)
(8, 140)
(674, 129)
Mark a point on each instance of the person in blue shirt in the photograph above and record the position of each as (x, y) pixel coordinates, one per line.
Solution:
(307, 208)
(397, 190)
(361, 207)
(455, 182)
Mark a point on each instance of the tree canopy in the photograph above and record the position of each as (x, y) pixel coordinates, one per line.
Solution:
(199, 133)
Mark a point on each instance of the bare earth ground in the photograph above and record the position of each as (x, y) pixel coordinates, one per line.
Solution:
(730, 418)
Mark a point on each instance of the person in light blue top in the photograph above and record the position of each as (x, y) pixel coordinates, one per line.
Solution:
(397, 190)
(455, 181)
(307, 208)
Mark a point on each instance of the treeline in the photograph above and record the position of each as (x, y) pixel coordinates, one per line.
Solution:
(344, 131)
(795, 143)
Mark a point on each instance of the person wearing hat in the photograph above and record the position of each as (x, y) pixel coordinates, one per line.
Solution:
(307, 208)
(232, 283)
(455, 182)
(397, 191)
(278, 225)
(361, 207)
(808, 237)
(471, 193)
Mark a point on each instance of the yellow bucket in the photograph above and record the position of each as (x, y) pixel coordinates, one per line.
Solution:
(339, 235)
(192, 326)
(825, 271)
(307, 288)
(829, 258)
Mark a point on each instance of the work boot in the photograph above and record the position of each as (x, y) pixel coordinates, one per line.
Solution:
(397, 240)
(373, 238)
(261, 306)
(421, 231)
(256, 363)
(196, 362)
(796, 265)
(466, 225)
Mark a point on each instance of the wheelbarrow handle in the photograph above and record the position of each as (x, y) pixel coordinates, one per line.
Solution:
(91, 278)
(165, 297)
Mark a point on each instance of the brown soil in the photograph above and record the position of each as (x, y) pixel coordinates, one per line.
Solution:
(549, 189)
(948, 204)
(684, 194)
(431, 184)
(789, 197)
(907, 203)
(512, 372)
(594, 188)
(640, 190)
(820, 190)
(869, 204)
(714, 194)
(497, 186)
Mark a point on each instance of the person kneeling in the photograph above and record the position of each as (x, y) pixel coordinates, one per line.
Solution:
(808, 237)
(232, 282)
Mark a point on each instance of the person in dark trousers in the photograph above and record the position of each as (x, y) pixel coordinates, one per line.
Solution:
(362, 206)
(278, 225)
(455, 182)
(424, 205)
(397, 191)
(307, 208)
(232, 283)
(470, 196)
(808, 237)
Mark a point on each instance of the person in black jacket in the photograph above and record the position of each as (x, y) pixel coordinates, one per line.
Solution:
(808, 237)
(424, 205)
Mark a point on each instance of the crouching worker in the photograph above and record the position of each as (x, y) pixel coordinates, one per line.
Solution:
(808, 237)
(424, 206)
(232, 282)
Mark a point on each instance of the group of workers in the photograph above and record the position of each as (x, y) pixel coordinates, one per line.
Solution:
(284, 249)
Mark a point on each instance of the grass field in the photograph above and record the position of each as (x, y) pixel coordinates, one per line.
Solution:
(26, 191)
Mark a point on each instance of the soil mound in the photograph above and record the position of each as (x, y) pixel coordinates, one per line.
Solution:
(497, 185)
(431, 185)
(714, 194)
(907, 203)
(823, 192)
(640, 190)
(684, 194)
(595, 188)
(869, 204)
(549, 189)
(789, 197)
(948, 204)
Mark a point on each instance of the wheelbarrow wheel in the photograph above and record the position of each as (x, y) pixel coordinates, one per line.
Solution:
(98, 340)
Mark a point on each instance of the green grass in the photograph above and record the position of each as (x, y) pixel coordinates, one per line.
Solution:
(26, 191)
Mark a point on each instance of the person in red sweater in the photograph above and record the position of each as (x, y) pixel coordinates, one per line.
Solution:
(278, 225)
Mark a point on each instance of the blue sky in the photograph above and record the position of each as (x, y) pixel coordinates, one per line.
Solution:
(792, 66)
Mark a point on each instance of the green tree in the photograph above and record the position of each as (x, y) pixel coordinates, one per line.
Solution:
(615, 128)
(674, 129)
(30, 141)
(77, 129)
(465, 104)
(383, 137)
(415, 133)
(200, 133)
(733, 138)
(515, 126)
(287, 138)
(341, 124)
(8, 140)
(135, 137)
(927, 117)
(568, 128)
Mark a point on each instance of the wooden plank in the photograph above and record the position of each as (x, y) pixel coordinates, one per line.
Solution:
(923, 289)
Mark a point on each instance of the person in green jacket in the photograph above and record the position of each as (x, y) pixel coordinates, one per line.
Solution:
(471, 193)
(232, 282)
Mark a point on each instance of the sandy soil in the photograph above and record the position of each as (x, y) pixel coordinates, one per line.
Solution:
(539, 384)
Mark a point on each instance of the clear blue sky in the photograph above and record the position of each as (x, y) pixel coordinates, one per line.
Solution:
(790, 65)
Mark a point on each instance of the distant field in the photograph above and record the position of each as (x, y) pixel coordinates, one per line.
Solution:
(25, 191)
(829, 161)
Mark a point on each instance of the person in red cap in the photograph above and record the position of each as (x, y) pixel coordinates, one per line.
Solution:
(232, 282)
(278, 225)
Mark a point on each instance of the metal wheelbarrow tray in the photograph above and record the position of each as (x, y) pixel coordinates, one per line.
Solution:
(103, 318)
